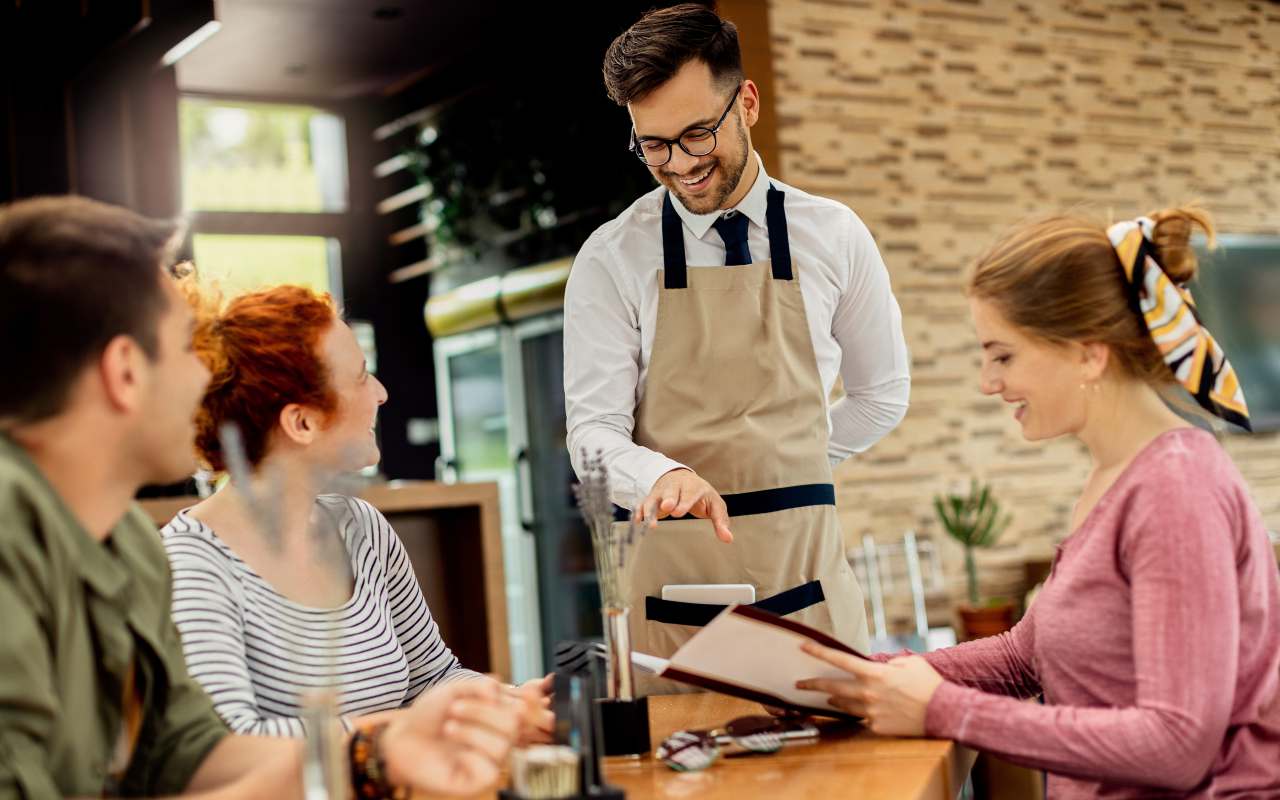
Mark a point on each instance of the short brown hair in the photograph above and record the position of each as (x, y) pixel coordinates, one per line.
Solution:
(74, 274)
(1060, 280)
(650, 52)
(263, 352)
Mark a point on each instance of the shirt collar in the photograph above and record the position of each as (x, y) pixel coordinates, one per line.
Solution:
(97, 564)
(752, 205)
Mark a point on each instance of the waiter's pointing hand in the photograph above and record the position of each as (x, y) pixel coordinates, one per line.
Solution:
(680, 492)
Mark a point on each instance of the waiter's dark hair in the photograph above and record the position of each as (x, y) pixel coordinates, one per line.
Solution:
(650, 52)
(74, 274)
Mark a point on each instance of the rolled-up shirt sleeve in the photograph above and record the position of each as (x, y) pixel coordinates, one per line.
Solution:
(874, 367)
(183, 732)
(602, 342)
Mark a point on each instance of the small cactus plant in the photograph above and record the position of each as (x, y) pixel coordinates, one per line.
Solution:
(974, 521)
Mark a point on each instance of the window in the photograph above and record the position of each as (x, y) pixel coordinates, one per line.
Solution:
(243, 263)
(265, 187)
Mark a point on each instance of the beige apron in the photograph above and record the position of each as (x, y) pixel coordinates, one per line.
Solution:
(733, 391)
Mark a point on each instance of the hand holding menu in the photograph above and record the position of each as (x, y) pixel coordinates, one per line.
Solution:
(749, 653)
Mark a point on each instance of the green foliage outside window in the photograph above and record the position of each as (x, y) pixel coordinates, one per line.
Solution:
(261, 158)
(245, 263)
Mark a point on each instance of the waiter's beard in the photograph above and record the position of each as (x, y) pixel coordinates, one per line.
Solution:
(725, 180)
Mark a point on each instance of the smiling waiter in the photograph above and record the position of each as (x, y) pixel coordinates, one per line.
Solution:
(705, 328)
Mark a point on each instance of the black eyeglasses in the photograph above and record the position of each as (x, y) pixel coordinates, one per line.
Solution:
(656, 151)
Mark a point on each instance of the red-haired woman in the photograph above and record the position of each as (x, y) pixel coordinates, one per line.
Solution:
(1156, 640)
(277, 587)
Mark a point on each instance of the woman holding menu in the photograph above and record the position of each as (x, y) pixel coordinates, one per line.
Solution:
(1156, 640)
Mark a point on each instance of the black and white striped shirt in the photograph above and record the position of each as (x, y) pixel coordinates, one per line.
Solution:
(254, 650)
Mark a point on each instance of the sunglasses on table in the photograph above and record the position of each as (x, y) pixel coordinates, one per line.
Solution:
(690, 751)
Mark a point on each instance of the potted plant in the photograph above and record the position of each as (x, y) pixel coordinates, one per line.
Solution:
(974, 520)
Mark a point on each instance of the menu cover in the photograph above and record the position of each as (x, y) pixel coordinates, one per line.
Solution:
(755, 655)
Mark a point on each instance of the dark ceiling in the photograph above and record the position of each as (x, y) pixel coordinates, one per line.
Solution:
(331, 49)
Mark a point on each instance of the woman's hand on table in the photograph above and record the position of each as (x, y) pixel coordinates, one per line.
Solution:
(453, 740)
(537, 722)
(892, 696)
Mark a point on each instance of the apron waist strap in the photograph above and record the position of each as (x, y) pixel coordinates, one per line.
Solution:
(674, 612)
(765, 501)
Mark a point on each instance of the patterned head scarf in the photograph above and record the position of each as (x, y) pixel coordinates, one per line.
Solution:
(1170, 316)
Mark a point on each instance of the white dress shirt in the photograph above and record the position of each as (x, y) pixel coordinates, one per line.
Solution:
(611, 307)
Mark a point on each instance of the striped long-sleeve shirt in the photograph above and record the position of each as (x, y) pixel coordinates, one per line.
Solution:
(255, 651)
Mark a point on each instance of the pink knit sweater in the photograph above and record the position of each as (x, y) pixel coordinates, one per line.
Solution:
(1155, 641)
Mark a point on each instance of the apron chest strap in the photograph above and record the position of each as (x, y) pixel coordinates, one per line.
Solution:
(675, 270)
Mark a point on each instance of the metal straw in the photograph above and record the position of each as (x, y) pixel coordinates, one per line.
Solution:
(324, 768)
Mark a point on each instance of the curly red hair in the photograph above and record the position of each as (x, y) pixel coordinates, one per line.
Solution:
(262, 349)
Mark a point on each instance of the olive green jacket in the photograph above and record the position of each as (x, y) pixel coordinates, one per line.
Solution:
(75, 613)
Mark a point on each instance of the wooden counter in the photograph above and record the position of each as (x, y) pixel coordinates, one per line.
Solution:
(846, 762)
(453, 535)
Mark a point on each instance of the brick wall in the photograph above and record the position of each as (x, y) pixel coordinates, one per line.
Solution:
(942, 123)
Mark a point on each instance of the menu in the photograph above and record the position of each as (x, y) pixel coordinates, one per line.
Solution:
(749, 653)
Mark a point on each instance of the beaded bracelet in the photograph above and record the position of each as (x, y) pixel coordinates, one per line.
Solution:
(368, 770)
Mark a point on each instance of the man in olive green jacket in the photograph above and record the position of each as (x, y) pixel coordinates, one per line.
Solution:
(98, 398)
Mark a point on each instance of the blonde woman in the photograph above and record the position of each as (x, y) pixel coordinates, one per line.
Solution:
(1156, 640)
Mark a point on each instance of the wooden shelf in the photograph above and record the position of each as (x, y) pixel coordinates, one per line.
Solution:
(500, 199)
(415, 270)
(409, 234)
(423, 115)
(425, 495)
(408, 197)
(410, 120)
(508, 239)
(391, 166)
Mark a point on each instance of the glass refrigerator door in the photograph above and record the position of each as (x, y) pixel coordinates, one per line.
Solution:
(479, 413)
(567, 581)
(473, 380)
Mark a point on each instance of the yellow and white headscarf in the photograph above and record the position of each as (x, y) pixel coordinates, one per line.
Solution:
(1170, 314)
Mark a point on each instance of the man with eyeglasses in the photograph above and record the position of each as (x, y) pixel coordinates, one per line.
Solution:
(705, 329)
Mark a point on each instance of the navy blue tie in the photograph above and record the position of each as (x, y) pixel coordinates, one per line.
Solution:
(733, 229)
